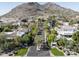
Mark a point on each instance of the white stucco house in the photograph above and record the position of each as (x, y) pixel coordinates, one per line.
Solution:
(20, 32)
(11, 35)
(12, 21)
(66, 31)
(8, 20)
(53, 44)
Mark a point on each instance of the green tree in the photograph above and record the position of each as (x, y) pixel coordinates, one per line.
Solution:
(17, 40)
(62, 42)
(25, 38)
(6, 29)
(71, 22)
(75, 37)
(34, 29)
(54, 32)
(38, 39)
(1, 28)
(51, 38)
(3, 41)
(28, 39)
(46, 25)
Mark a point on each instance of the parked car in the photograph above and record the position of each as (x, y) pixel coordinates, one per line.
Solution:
(10, 54)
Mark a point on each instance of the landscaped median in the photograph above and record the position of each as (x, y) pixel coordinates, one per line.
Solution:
(56, 52)
(21, 52)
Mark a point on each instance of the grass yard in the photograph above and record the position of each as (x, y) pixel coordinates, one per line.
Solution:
(56, 52)
(21, 52)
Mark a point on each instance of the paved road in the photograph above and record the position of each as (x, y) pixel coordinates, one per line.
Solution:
(34, 52)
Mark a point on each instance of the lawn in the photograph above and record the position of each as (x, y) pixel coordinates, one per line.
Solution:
(21, 52)
(56, 52)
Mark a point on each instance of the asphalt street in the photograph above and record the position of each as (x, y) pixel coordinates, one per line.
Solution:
(34, 52)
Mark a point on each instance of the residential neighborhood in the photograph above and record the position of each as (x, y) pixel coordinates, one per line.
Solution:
(39, 35)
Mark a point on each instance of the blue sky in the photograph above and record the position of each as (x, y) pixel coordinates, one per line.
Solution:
(71, 5)
(5, 7)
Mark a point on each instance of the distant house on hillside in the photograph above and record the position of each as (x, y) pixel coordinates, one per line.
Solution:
(8, 20)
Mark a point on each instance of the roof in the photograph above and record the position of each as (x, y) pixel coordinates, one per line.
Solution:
(6, 20)
(20, 33)
(67, 28)
(14, 34)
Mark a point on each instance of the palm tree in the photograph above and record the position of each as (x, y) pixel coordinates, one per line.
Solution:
(17, 40)
(2, 40)
(75, 37)
(38, 41)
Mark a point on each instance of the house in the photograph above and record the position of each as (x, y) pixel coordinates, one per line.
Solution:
(76, 25)
(66, 30)
(11, 35)
(12, 21)
(53, 44)
(19, 33)
(8, 20)
(18, 22)
(65, 23)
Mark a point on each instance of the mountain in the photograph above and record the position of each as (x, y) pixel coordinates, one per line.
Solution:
(24, 10)
(36, 9)
(53, 8)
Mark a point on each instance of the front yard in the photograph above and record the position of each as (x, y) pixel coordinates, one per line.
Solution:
(56, 52)
(21, 52)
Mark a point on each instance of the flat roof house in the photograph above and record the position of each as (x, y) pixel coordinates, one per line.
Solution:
(9, 35)
(8, 20)
(66, 30)
(20, 32)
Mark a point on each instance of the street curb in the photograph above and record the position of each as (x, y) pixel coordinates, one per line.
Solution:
(27, 52)
(51, 54)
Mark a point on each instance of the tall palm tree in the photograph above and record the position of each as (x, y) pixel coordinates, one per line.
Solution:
(17, 40)
(38, 41)
(2, 40)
